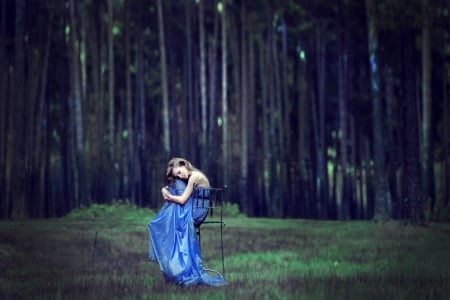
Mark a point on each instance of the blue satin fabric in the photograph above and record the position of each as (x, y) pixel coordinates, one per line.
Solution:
(173, 242)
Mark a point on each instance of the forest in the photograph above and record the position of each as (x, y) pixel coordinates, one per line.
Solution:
(325, 109)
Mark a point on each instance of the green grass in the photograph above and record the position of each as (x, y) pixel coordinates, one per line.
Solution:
(103, 255)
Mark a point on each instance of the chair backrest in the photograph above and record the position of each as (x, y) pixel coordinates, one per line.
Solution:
(209, 199)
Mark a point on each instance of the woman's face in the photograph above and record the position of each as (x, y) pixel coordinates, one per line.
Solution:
(181, 172)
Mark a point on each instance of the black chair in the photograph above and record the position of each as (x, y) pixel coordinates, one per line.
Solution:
(211, 199)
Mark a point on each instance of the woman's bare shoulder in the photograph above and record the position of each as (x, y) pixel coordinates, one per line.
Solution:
(199, 179)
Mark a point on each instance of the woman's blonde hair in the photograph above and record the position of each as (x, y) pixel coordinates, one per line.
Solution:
(177, 162)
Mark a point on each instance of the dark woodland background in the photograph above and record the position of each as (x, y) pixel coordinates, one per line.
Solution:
(328, 109)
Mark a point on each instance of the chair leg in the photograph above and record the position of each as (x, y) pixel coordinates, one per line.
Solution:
(197, 230)
(221, 244)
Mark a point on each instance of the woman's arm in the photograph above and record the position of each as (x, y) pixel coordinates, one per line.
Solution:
(165, 192)
(187, 192)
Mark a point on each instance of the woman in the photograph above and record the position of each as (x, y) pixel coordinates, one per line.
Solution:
(173, 243)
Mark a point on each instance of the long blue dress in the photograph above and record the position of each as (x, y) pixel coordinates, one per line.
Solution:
(173, 243)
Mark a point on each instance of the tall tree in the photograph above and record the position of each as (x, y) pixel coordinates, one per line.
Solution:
(427, 149)
(4, 106)
(446, 143)
(164, 87)
(244, 105)
(130, 159)
(140, 112)
(76, 113)
(41, 155)
(188, 94)
(286, 113)
(203, 95)
(18, 177)
(319, 112)
(342, 196)
(113, 181)
(380, 201)
(213, 70)
(303, 131)
(224, 92)
(111, 122)
(264, 144)
(411, 164)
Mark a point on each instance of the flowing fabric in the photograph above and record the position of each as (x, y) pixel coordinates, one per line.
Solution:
(173, 242)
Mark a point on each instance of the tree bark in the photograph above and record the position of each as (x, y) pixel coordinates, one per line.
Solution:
(287, 166)
(321, 156)
(203, 95)
(446, 143)
(18, 176)
(244, 107)
(304, 137)
(427, 146)
(342, 199)
(392, 150)
(189, 81)
(129, 163)
(111, 107)
(78, 163)
(411, 166)
(252, 190)
(141, 144)
(224, 94)
(164, 88)
(381, 211)
(4, 107)
(39, 161)
(212, 113)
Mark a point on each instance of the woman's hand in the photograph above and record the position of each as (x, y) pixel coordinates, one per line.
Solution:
(165, 193)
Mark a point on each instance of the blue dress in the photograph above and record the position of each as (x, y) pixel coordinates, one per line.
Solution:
(173, 242)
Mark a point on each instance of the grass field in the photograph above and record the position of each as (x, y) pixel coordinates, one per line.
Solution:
(104, 256)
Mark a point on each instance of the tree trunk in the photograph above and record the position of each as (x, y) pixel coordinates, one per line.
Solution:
(77, 113)
(279, 172)
(164, 88)
(303, 128)
(391, 144)
(343, 196)
(224, 94)
(111, 114)
(427, 146)
(39, 161)
(252, 190)
(380, 201)
(18, 179)
(129, 163)
(212, 113)
(287, 166)
(141, 150)
(203, 94)
(353, 175)
(262, 119)
(321, 156)
(244, 108)
(411, 166)
(446, 143)
(189, 81)
(4, 107)
(269, 119)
